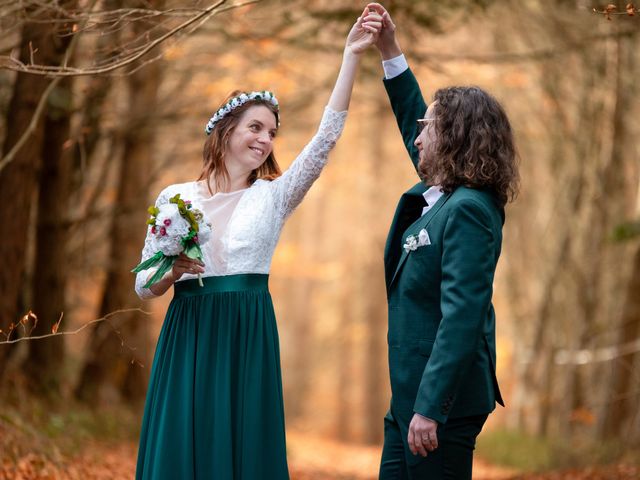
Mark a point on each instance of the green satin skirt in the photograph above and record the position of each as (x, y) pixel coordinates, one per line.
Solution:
(214, 406)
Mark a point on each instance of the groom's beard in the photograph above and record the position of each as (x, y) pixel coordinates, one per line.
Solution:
(425, 170)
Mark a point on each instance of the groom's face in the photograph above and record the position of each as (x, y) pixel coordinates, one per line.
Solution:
(426, 138)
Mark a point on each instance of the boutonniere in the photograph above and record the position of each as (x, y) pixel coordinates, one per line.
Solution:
(413, 242)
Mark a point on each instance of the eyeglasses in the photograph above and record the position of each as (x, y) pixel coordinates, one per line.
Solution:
(423, 122)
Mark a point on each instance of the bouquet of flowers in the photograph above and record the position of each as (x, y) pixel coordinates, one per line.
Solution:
(176, 227)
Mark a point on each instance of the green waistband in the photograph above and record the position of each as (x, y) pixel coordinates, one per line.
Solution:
(226, 283)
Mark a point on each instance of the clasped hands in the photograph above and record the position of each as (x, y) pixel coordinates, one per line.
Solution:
(373, 27)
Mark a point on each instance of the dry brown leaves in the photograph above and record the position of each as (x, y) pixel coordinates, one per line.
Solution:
(611, 9)
(614, 472)
(98, 462)
(310, 458)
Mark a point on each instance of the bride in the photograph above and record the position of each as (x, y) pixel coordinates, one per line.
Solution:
(214, 404)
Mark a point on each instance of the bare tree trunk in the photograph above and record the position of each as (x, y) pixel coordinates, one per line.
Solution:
(19, 179)
(109, 370)
(591, 220)
(622, 390)
(43, 364)
(91, 113)
(624, 393)
(587, 177)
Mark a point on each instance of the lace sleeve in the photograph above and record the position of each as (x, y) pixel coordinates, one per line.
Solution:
(147, 252)
(305, 169)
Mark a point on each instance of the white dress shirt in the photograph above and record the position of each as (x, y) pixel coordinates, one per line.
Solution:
(431, 196)
(394, 66)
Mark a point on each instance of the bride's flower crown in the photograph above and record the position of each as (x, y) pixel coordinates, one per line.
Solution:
(235, 102)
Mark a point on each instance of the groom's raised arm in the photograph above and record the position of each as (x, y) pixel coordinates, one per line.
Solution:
(403, 89)
(408, 106)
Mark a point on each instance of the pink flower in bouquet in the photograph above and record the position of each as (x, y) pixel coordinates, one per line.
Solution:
(174, 227)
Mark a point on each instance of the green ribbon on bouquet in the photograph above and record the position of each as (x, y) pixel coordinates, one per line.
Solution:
(165, 263)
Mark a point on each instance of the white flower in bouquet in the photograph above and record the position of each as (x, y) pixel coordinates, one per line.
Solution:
(174, 224)
(204, 234)
(168, 245)
(175, 227)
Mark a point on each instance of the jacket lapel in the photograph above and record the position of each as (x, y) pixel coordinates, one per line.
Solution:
(407, 211)
(418, 225)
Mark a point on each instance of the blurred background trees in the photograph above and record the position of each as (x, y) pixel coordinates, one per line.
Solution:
(119, 115)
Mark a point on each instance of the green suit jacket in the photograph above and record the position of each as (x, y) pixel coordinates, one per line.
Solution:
(441, 320)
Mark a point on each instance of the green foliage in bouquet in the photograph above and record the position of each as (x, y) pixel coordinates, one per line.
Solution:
(190, 244)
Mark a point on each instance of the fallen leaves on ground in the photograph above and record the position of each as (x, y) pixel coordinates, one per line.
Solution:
(613, 472)
(310, 458)
(96, 462)
(317, 458)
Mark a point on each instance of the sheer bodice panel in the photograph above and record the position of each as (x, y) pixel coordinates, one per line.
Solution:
(218, 209)
(247, 223)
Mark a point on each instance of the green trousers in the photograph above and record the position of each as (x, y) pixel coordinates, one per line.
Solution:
(452, 460)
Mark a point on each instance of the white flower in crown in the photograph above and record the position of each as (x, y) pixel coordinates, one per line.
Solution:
(237, 102)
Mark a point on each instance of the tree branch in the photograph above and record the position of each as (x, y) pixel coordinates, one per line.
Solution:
(11, 63)
(9, 157)
(72, 332)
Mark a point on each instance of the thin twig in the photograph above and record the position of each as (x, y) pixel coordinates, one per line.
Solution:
(78, 330)
(110, 17)
(16, 65)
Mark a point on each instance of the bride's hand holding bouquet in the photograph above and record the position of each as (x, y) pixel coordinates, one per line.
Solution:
(177, 231)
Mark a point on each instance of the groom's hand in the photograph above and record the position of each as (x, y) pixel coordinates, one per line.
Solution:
(422, 436)
(387, 43)
(364, 32)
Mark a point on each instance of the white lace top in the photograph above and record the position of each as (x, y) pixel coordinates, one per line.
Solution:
(247, 223)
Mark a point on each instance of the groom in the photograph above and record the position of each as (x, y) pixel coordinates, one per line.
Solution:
(440, 259)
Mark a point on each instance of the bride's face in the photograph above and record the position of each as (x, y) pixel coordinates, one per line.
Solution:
(251, 141)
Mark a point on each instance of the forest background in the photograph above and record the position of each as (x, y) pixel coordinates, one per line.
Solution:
(103, 103)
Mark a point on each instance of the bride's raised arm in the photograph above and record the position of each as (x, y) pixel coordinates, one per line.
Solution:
(296, 181)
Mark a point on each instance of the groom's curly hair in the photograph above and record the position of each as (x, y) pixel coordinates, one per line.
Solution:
(474, 144)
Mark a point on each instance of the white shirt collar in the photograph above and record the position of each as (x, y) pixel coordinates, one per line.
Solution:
(431, 196)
